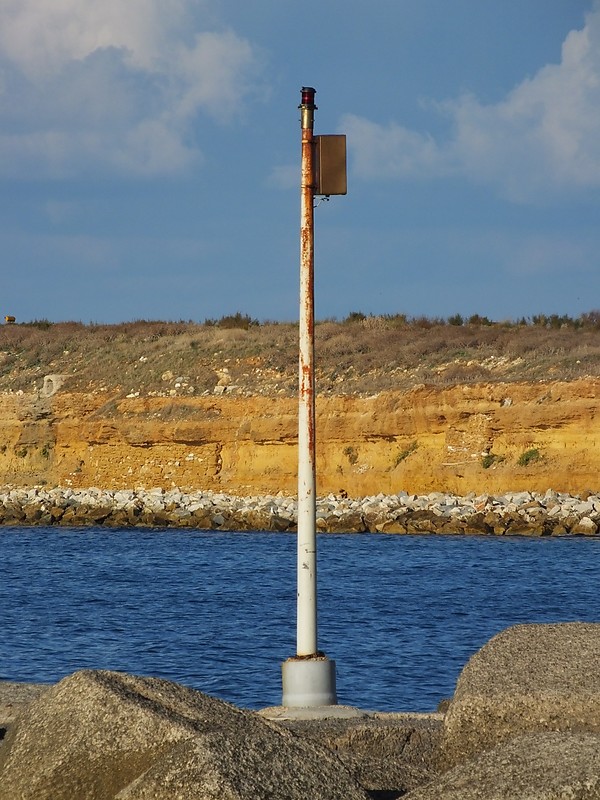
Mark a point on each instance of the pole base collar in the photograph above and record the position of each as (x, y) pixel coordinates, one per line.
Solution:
(308, 682)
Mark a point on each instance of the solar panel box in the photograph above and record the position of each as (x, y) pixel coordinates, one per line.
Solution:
(330, 164)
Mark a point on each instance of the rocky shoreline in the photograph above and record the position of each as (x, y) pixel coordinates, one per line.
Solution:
(516, 513)
(524, 722)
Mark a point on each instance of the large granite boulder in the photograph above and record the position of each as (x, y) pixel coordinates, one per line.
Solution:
(13, 697)
(100, 735)
(536, 766)
(389, 754)
(528, 678)
(270, 763)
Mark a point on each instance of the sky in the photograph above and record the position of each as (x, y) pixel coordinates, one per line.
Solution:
(150, 157)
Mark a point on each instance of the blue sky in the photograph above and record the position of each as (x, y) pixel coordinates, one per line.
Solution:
(149, 157)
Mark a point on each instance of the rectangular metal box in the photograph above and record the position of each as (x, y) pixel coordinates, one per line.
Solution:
(330, 164)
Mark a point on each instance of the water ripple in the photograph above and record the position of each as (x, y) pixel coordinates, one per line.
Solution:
(400, 614)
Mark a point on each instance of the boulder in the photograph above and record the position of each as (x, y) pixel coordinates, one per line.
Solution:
(528, 678)
(478, 523)
(250, 519)
(269, 764)
(13, 696)
(585, 526)
(347, 522)
(389, 754)
(397, 525)
(98, 735)
(92, 733)
(536, 766)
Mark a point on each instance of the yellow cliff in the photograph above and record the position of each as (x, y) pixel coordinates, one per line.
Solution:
(481, 437)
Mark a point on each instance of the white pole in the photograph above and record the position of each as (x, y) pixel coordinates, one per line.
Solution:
(309, 677)
(307, 537)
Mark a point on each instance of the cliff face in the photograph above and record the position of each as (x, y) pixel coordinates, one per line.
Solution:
(483, 438)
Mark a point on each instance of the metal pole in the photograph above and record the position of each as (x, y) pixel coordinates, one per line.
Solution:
(307, 539)
(309, 677)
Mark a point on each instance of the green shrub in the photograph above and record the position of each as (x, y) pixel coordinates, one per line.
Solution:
(351, 454)
(355, 316)
(237, 320)
(476, 319)
(42, 324)
(489, 459)
(402, 454)
(529, 457)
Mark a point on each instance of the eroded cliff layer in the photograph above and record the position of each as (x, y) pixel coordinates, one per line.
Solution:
(477, 438)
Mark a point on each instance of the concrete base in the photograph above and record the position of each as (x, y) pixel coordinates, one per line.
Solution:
(308, 682)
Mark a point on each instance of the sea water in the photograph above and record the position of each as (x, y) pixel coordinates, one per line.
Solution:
(400, 615)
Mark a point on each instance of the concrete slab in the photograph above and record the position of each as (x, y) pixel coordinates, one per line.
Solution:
(278, 713)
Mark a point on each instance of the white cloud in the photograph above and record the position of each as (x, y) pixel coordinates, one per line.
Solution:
(544, 137)
(41, 36)
(88, 85)
(208, 73)
(392, 151)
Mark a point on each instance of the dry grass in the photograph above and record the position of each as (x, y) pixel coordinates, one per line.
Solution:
(361, 354)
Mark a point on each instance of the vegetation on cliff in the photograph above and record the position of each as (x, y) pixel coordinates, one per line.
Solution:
(359, 355)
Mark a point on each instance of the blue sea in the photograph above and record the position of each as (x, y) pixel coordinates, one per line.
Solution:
(400, 615)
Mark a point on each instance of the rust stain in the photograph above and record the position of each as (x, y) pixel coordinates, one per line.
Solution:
(306, 362)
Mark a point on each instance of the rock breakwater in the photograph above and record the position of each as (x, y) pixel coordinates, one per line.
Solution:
(524, 722)
(517, 513)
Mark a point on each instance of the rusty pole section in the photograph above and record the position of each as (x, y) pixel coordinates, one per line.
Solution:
(307, 539)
